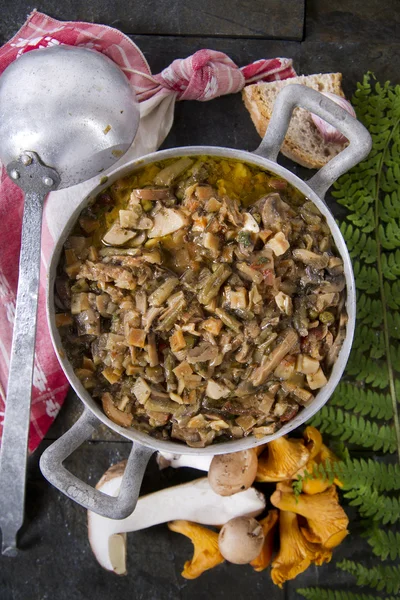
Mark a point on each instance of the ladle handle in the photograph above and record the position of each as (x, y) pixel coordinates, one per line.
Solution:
(13, 456)
(294, 95)
(111, 507)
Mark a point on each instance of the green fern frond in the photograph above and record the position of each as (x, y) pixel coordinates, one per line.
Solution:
(362, 401)
(390, 235)
(380, 577)
(385, 544)
(358, 473)
(366, 278)
(395, 354)
(392, 293)
(359, 244)
(371, 340)
(373, 505)
(369, 310)
(354, 429)
(391, 265)
(368, 370)
(371, 194)
(394, 324)
(318, 593)
(390, 207)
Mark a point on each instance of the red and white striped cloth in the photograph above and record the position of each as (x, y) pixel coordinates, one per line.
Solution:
(203, 76)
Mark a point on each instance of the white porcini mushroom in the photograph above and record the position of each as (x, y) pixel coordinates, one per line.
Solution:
(232, 473)
(194, 501)
(241, 540)
(168, 459)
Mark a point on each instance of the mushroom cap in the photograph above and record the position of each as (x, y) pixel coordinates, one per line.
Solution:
(233, 473)
(241, 540)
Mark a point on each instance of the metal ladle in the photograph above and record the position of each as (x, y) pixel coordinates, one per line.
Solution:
(66, 115)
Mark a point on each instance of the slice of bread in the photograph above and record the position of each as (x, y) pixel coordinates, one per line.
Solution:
(303, 142)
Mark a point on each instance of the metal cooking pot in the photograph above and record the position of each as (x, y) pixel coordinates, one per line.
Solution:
(143, 445)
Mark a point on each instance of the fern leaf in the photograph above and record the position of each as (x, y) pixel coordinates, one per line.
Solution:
(392, 294)
(368, 370)
(318, 593)
(381, 577)
(394, 324)
(371, 340)
(369, 310)
(366, 278)
(362, 401)
(391, 265)
(390, 235)
(355, 430)
(359, 244)
(373, 505)
(360, 473)
(385, 544)
(390, 207)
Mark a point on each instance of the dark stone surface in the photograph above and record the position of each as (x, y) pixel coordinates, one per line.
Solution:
(235, 18)
(353, 20)
(56, 562)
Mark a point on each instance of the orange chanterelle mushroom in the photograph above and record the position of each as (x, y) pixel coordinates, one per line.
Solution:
(326, 520)
(268, 525)
(206, 551)
(296, 553)
(283, 457)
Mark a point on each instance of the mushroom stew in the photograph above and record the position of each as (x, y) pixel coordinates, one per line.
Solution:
(201, 299)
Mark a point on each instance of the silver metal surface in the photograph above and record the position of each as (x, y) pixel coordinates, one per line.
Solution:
(71, 105)
(74, 110)
(16, 420)
(61, 478)
(118, 507)
(299, 95)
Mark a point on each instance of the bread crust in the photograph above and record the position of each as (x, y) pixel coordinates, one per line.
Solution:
(303, 142)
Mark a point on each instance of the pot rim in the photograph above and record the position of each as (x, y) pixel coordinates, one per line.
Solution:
(232, 445)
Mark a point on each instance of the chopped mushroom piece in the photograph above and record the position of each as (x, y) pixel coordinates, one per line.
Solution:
(284, 303)
(118, 416)
(296, 553)
(206, 551)
(278, 244)
(117, 236)
(166, 221)
(316, 380)
(171, 172)
(216, 390)
(250, 224)
(261, 373)
(306, 364)
(141, 390)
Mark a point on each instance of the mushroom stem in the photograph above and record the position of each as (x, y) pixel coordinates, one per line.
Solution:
(194, 501)
(168, 459)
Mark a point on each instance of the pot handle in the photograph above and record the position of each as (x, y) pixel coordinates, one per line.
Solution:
(295, 95)
(53, 470)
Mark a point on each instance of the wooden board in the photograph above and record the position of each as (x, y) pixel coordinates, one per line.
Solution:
(238, 18)
(367, 21)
